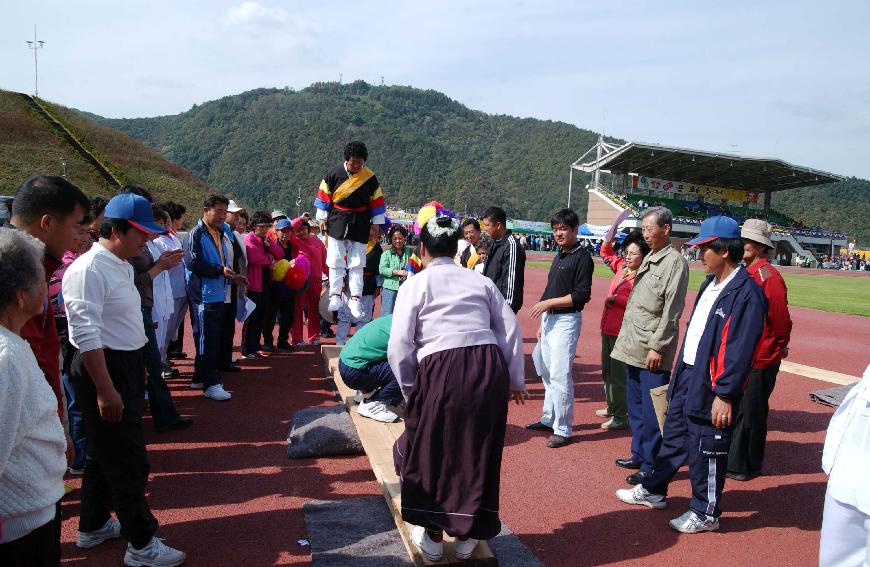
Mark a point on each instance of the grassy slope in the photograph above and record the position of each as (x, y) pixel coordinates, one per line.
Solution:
(29, 146)
(826, 293)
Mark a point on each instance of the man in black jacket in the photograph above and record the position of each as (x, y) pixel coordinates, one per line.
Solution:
(506, 258)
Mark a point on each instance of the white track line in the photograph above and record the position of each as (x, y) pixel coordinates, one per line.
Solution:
(817, 373)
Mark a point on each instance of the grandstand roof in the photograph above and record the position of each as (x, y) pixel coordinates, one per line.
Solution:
(706, 168)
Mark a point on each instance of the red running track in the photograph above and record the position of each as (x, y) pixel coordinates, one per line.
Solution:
(225, 493)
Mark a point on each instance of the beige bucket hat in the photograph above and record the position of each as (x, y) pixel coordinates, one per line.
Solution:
(757, 230)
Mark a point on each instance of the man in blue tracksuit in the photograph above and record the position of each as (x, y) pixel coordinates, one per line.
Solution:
(208, 261)
(710, 375)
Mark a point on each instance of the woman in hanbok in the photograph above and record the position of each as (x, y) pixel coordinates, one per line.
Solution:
(456, 349)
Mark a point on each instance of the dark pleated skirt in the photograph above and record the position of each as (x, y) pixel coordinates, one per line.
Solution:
(449, 457)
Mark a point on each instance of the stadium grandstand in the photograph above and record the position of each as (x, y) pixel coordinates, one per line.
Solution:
(696, 184)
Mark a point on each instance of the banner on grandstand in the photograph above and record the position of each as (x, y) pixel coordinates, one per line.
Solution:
(704, 191)
(529, 226)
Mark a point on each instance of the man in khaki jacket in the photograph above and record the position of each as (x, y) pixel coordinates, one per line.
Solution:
(648, 340)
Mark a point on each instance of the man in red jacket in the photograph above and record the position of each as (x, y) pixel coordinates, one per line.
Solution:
(50, 209)
(750, 418)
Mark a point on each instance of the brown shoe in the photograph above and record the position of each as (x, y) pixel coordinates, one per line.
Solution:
(556, 441)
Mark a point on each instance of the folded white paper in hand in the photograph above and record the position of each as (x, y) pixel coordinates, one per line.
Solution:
(244, 309)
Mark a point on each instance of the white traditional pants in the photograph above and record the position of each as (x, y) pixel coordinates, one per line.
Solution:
(845, 536)
(353, 265)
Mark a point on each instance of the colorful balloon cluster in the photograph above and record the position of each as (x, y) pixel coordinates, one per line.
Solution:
(295, 275)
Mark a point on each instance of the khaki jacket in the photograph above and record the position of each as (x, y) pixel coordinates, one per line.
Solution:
(652, 316)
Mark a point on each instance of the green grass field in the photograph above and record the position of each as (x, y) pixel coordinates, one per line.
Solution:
(827, 293)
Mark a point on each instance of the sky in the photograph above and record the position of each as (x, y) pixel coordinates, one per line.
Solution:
(782, 79)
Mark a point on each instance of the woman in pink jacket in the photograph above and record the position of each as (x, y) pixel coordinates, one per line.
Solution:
(625, 266)
(262, 253)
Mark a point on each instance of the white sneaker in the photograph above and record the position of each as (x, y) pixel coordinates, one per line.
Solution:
(334, 302)
(464, 549)
(356, 308)
(693, 523)
(377, 411)
(155, 554)
(431, 549)
(110, 530)
(642, 496)
(218, 393)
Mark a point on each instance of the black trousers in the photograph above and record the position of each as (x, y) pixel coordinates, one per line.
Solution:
(280, 309)
(39, 548)
(159, 397)
(177, 346)
(207, 321)
(228, 333)
(116, 467)
(746, 455)
(254, 327)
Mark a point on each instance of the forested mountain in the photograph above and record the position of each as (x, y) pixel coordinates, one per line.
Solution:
(263, 145)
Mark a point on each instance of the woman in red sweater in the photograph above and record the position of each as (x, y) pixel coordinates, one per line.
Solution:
(625, 267)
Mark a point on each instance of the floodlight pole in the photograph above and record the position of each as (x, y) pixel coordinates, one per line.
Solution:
(35, 45)
(570, 183)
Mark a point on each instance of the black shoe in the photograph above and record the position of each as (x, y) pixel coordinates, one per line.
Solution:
(538, 426)
(637, 477)
(269, 348)
(180, 423)
(176, 355)
(327, 334)
(284, 345)
(628, 463)
(231, 368)
(556, 441)
(742, 477)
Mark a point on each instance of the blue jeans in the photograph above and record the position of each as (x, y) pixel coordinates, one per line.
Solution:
(646, 437)
(388, 300)
(376, 376)
(559, 334)
(345, 318)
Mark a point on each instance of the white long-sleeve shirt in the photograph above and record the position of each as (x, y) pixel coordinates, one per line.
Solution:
(446, 307)
(164, 303)
(103, 307)
(846, 457)
(32, 443)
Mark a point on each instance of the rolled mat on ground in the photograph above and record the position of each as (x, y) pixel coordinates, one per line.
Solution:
(321, 432)
(831, 397)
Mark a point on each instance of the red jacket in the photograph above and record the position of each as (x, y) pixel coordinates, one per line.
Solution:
(41, 332)
(611, 317)
(777, 324)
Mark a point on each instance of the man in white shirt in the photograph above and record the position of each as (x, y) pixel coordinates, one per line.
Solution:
(107, 372)
(708, 380)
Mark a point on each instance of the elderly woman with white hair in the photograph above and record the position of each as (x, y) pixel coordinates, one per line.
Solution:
(32, 444)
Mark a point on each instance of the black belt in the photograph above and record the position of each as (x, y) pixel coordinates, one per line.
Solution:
(564, 311)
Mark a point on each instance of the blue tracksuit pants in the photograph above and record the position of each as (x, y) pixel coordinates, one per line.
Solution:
(646, 437)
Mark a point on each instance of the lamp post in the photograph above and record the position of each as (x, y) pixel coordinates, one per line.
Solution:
(63, 167)
(35, 45)
(298, 199)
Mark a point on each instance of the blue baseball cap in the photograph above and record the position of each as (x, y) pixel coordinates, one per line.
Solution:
(282, 224)
(716, 227)
(134, 209)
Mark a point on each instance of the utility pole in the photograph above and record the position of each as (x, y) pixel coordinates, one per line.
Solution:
(35, 45)
(63, 167)
(298, 199)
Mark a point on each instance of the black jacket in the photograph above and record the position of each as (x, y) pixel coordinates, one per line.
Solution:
(505, 266)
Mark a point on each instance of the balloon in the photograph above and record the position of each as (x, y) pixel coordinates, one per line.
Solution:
(303, 263)
(295, 278)
(279, 270)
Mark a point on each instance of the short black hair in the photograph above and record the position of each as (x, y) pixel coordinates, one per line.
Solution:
(47, 194)
(136, 190)
(244, 214)
(261, 217)
(567, 217)
(160, 211)
(495, 214)
(356, 149)
(397, 228)
(118, 225)
(734, 246)
(636, 237)
(213, 200)
(470, 222)
(98, 205)
(445, 245)
(175, 210)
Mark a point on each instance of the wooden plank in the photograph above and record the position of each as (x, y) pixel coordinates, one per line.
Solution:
(377, 439)
(817, 373)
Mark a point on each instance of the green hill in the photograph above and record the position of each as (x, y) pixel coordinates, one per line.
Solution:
(29, 145)
(263, 145)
